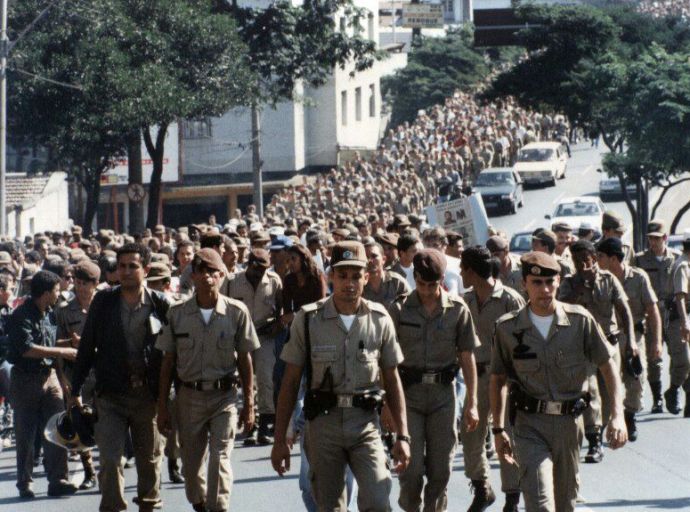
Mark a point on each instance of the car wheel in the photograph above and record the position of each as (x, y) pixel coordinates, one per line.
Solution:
(552, 183)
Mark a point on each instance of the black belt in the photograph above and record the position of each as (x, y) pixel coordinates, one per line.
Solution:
(528, 404)
(228, 382)
(410, 376)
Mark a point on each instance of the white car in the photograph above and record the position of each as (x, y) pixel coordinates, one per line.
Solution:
(542, 163)
(577, 210)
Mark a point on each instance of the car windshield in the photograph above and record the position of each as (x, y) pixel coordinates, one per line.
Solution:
(491, 179)
(521, 243)
(535, 155)
(576, 209)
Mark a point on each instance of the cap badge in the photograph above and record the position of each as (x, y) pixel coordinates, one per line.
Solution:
(348, 255)
(535, 270)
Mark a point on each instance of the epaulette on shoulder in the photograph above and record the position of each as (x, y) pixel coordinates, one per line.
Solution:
(507, 316)
(313, 306)
(402, 296)
(376, 307)
(575, 309)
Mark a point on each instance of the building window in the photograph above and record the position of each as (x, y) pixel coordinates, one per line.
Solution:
(372, 100)
(343, 108)
(197, 128)
(370, 27)
(358, 104)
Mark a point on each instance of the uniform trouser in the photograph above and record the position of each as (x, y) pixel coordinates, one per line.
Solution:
(432, 426)
(35, 398)
(654, 364)
(599, 410)
(134, 410)
(547, 449)
(474, 444)
(172, 442)
(347, 437)
(264, 359)
(207, 422)
(679, 353)
(634, 386)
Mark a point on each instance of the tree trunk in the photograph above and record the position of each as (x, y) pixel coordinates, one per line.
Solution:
(256, 161)
(93, 192)
(156, 151)
(679, 215)
(136, 209)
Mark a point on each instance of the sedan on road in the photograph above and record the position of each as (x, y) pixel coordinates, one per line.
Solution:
(521, 242)
(542, 163)
(501, 189)
(610, 189)
(576, 210)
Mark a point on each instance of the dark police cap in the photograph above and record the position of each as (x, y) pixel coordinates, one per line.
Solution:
(582, 245)
(430, 264)
(210, 258)
(612, 220)
(348, 254)
(540, 264)
(158, 271)
(545, 235)
(86, 270)
(611, 247)
(260, 258)
(389, 239)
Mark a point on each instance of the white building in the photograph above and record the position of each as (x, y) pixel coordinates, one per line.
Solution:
(36, 203)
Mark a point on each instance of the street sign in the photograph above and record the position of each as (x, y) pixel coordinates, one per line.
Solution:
(422, 16)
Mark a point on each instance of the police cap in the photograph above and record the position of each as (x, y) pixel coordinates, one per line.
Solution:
(348, 254)
(259, 257)
(430, 264)
(539, 264)
(656, 227)
(611, 220)
(208, 257)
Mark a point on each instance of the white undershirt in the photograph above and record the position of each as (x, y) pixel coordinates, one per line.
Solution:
(409, 276)
(206, 314)
(542, 323)
(348, 320)
(659, 258)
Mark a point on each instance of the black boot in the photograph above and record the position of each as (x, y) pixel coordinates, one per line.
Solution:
(686, 411)
(174, 471)
(512, 502)
(199, 507)
(595, 453)
(671, 397)
(657, 402)
(483, 496)
(265, 421)
(631, 425)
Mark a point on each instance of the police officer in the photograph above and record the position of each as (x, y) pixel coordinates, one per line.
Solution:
(35, 392)
(119, 341)
(344, 344)
(679, 333)
(643, 306)
(206, 338)
(545, 349)
(612, 226)
(260, 289)
(657, 262)
(70, 318)
(510, 269)
(544, 240)
(487, 301)
(383, 286)
(604, 297)
(437, 336)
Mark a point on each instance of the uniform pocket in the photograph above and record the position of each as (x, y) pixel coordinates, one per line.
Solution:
(526, 365)
(366, 368)
(321, 360)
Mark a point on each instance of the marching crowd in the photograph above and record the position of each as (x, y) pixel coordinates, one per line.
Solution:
(661, 8)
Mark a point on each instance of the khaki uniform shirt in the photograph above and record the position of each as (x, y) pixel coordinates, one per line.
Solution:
(639, 290)
(681, 280)
(353, 356)
(70, 318)
(659, 271)
(513, 278)
(567, 268)
(501, 301)
(135, 327)
(207, 352)
(392, 286)
(555, 368)
(264, 303)
(431, 343)
(599, 298)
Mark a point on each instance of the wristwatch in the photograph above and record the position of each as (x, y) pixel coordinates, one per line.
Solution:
(497, 430)
(404, 438)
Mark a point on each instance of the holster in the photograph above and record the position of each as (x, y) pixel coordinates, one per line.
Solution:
(317, 401)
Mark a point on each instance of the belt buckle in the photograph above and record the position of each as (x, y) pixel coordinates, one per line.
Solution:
(553, 408)
(429, 378)
(345, 401)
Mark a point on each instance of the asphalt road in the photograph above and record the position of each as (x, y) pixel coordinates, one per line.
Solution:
(651, 474)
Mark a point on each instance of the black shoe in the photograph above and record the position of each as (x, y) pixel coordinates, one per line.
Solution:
(512, 502)
(26, 494)
(595, 453)
(174, 472)
(129, 463)
(483, 496)
(686, 411)
(251, 438)
(88, 483)
(61, 488)
(671, 397)
(199, 507)
(657, 402)
(631, 425)
(264, 438)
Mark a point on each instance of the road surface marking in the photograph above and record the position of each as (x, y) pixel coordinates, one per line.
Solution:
(558, 198)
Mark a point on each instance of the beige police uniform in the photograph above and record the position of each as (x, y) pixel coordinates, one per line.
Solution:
(599, 299)
(501, 301)
(678, 349)
(547, 446)
(513, 278)
(206, 353)
(392, 286)
(347, 435)
(430, 343)
(659, 272)
(640, 295)
(264, 304)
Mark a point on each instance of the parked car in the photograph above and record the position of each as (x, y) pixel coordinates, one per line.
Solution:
(541, 163)
(675, 242)
(501, 189)
(576, 210)
(521, 242)
(610, 189)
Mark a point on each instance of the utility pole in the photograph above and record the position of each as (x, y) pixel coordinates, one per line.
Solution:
(4, 46)
(256, 161)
